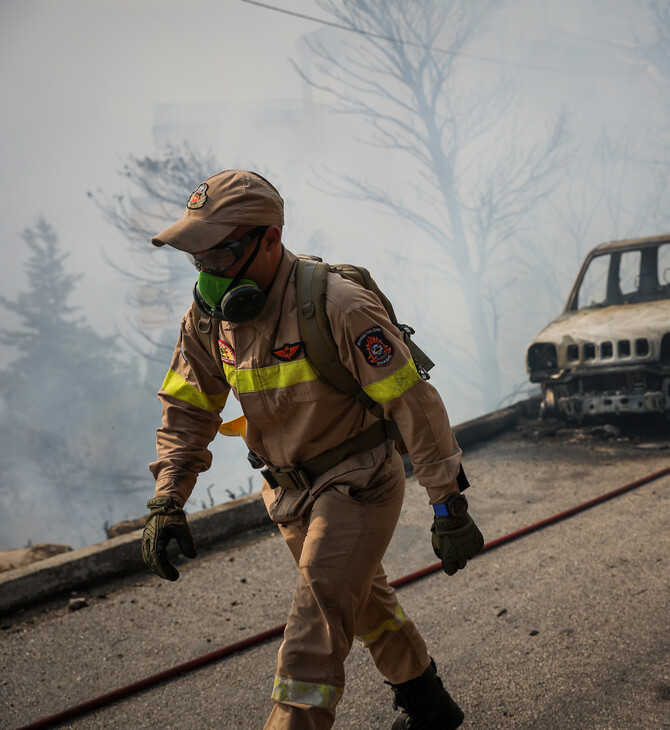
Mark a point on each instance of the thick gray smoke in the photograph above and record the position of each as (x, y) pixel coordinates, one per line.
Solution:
(549, 135)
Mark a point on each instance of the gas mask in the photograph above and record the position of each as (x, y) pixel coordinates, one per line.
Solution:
(228, 299)
(232, 300)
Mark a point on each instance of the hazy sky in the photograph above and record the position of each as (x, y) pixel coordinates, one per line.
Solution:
(82, 80)
(85, 83)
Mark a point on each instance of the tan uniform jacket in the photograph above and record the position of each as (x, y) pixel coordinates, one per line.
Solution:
(292, 415)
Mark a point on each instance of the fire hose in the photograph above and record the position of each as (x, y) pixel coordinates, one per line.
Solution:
(133, 688)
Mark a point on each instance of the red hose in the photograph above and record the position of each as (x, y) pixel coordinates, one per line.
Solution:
(130, 689)
(492, 544)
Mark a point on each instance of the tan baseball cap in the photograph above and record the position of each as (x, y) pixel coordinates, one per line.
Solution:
(218, 206)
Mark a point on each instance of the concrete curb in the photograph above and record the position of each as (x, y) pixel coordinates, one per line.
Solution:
(121, 555)
(484, 427)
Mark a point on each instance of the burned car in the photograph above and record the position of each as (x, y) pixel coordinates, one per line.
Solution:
(609, 351)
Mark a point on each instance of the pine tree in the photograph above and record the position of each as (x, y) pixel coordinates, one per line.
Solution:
(74, 435)
(58, 354)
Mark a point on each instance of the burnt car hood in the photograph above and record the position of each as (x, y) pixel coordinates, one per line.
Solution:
(628, 321)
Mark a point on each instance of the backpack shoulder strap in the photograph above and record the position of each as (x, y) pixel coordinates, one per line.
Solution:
(207, 332)
(362, 276)
(316, 334)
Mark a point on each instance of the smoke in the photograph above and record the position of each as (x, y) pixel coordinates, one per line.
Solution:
(87, 84)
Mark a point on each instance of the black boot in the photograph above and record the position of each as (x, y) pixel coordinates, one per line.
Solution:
(426, 704)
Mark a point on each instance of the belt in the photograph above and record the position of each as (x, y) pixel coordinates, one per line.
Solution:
(303, 475)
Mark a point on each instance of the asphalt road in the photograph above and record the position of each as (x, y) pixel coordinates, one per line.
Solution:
(565, 628)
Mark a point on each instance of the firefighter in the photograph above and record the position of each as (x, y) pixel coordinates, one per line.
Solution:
(334, 481)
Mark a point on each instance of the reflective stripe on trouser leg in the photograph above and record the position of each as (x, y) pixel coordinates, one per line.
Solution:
(397, 648)
(391, 624)
(306, 693)
(338, 549)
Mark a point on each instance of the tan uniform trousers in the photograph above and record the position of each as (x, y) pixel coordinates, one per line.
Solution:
(342, 593)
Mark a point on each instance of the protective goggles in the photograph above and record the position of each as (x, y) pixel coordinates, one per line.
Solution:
(223, 256)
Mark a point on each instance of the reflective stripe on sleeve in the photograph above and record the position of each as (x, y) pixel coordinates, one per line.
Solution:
(391, 624)
(306, 693)
(282, 375)
(175, 386)
(395, 384)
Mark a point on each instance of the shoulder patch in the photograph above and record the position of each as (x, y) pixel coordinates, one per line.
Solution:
(227, 353)
(198, 197)
(373, 344)
(289, 351)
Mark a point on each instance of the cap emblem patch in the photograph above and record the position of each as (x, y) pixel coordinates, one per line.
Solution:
(198, 197)
(289, 351)
(227, 353)
(377, 349)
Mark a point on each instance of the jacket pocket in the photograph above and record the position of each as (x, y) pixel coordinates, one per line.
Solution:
(286, 505)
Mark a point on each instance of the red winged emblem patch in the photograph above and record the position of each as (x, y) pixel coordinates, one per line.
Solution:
(289, 351)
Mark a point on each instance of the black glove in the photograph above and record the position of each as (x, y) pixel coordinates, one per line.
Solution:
(455, 540)
(165, 521)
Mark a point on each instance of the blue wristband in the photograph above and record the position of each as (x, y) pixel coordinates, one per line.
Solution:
(440, 510)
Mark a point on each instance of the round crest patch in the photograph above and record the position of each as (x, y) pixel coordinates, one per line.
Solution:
(198, 197)
(227, 353)
(377, 349)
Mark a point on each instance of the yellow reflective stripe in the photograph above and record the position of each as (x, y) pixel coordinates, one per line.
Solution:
(391, 624)
(178, 388)
(306, 693)
(395, 384)
(229, 372)
(282, 375)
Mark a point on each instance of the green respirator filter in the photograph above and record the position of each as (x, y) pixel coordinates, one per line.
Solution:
(240, 303)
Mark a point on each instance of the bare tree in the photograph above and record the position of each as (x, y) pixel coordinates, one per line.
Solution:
(656, 57)
(658, 53)
(158, 187)
(476, 173)
(618, 189)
